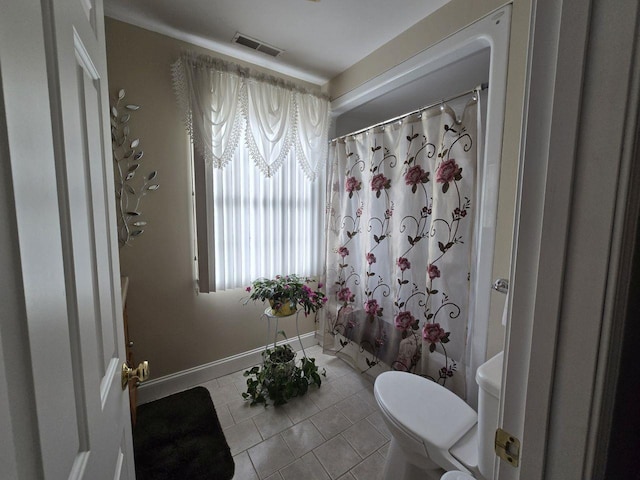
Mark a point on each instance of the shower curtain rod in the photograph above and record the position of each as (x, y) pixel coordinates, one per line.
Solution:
(480, 87)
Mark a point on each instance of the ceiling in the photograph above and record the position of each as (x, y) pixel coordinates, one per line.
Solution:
(320, 39)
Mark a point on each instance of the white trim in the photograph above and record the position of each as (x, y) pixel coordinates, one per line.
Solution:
(79, 466)
(83, 56)
(567, 252)
(119, 463)
(477, 36)
(179, 381)
(525, 361)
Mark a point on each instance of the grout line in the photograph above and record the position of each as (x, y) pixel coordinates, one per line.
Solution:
(320, 463)
(336, 375)
(252, 465)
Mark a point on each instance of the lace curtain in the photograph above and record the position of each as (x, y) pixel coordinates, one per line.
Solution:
(401, 202)
(222, 103)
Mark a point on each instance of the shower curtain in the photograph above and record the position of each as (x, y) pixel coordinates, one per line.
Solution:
(400, 208)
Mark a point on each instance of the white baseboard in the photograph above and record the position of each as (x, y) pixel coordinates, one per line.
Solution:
(177, 382)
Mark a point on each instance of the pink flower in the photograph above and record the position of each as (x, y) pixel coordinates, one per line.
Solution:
(388, 213)
(403, 263)
(448, 171)
(460, 213)
(371, 306)
(433, 271)
(379, 181)
(248, 289)
(433, 333)
(404, 320)
(416, 175)
(446, 372)
(351, 184)
(344, 294)
(320, 284)
(359, 212)
(343, 251)
(371, 258)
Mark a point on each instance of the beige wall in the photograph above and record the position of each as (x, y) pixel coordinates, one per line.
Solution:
(172, 326)
(451, 18)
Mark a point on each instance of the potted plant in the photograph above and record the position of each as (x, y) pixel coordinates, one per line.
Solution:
(285, 293)
(279, 379)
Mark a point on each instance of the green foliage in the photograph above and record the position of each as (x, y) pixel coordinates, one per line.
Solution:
(288, 288)
(280, 379)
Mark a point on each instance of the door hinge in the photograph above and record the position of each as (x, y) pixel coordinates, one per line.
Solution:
(507, 447)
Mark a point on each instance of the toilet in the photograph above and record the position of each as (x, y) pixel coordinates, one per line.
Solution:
(457, 475)
(434, 431)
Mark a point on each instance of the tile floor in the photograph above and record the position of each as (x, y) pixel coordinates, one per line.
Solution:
(332, 432)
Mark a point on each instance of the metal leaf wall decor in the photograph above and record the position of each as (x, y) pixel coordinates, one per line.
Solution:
(131, 184)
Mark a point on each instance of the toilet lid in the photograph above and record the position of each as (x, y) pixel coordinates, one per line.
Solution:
(456, 476)
(424, 408)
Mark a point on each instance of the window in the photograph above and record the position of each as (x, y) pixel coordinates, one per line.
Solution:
(259, 151)
(262, 227)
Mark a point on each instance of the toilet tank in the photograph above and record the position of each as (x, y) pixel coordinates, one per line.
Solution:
(489, 379)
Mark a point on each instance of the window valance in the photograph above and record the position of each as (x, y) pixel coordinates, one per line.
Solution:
(223, 104)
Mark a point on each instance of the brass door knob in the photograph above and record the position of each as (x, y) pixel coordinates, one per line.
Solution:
(141, 373)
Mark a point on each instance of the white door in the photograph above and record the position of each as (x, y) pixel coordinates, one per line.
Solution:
(61, 327)
(574, 236)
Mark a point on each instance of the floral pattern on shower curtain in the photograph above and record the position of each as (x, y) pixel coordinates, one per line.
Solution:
(399, 245)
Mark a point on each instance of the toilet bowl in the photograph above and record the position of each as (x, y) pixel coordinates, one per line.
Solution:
(433, 430)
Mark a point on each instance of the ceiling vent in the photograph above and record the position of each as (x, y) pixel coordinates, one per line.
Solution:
(258, 45)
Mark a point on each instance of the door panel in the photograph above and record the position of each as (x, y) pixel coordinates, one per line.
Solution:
(62, 186)
(90, 245)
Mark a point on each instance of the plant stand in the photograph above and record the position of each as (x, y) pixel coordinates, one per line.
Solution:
(280, 378)
(269, 316)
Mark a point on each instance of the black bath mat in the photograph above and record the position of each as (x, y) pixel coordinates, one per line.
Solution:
(179, 437)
